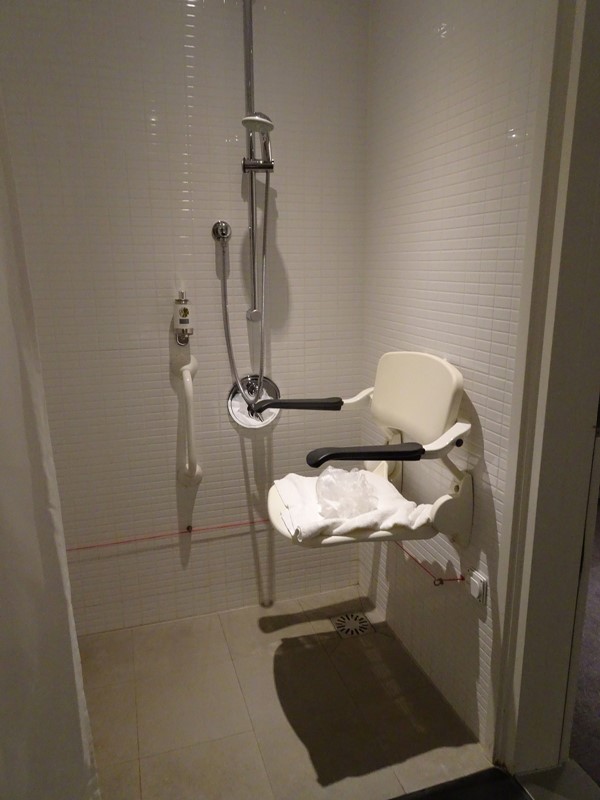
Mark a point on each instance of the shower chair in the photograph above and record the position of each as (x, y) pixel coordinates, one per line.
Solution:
(415, 401)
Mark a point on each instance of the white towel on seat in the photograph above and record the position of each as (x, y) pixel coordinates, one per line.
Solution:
(304, 521)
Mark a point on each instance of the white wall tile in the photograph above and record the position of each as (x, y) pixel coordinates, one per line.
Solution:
(125, 126)
(452, 99)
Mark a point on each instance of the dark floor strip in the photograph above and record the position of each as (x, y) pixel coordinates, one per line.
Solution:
(491, 784)
(585, 740)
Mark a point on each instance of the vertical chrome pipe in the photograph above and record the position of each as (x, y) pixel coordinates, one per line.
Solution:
(248, 58)
(253, 313)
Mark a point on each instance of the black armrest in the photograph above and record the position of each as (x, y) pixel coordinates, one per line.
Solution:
(408, 451)
(315, 404)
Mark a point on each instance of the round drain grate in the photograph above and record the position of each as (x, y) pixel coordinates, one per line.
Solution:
(351, 624)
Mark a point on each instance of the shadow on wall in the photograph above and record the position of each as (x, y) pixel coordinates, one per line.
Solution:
(277, 297)
(483, 549)
(260, 444)
(456, 618)
(358, 704)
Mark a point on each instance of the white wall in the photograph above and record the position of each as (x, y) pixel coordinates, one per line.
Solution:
(453, 92)
(124, 123)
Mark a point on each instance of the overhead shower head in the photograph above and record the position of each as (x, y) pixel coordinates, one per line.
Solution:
(258, 123)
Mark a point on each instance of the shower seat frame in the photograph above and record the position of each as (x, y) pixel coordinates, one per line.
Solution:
(414, 393)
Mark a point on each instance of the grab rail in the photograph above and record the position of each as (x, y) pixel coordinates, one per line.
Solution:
(303, 404)
(189, 472)
(314, 403)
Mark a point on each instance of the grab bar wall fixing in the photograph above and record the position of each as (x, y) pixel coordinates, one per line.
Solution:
(182, 321)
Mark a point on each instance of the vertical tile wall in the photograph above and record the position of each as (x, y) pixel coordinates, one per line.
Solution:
(453, 96)
(125, 130)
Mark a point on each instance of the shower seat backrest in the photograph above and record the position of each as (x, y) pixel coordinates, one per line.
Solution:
(416, 393)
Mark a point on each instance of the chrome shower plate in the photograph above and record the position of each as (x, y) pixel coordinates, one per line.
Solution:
(238, 409)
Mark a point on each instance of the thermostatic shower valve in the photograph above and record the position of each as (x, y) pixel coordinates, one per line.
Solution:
(182, 319)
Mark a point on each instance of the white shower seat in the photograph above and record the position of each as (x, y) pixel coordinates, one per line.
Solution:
(415, 398)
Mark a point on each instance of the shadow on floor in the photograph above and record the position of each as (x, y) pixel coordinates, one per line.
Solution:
(358, 704)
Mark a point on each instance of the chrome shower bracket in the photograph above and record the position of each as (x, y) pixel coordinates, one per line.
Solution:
(257, 165)
(221, 232)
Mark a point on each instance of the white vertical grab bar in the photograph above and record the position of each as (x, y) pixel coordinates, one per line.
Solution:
(189, 472)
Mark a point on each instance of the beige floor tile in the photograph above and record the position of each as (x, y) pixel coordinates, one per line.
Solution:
(439, 765)
(377, 666)
(254, 629)
(113, 717)
(257, 679)
(107, 658)
(408, 732)
(330, 759)
(160, 648)
(334, 718)
(121, 781)
(408, 716)
(227, 769)
(293, 680)
(190, 704)
(410, 719)
(328, 604)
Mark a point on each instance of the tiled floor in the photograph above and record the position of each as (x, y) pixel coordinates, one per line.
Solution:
(267, 703)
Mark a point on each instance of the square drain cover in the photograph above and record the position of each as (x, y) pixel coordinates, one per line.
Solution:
(354, 623)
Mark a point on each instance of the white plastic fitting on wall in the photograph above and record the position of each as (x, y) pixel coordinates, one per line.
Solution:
(189, 472)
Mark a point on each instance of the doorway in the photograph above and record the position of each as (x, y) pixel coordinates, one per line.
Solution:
(555, 471)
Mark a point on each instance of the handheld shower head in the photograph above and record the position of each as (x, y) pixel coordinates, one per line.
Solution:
(263, 125)
(258, 123)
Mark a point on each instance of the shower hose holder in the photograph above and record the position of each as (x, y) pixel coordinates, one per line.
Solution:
(257, 165)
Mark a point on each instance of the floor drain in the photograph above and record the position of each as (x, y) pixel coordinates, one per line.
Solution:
(351, 624)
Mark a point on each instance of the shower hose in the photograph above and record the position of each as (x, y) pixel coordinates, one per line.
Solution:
(257, 386)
